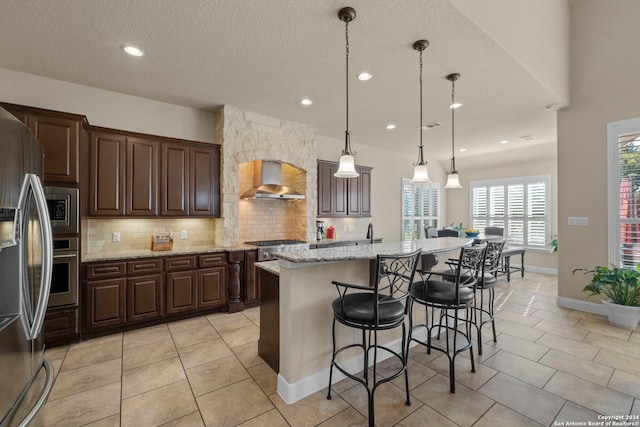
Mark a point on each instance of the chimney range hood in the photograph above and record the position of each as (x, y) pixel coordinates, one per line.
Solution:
(267, 180)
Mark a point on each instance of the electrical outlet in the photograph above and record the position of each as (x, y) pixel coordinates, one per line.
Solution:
(115, 236)
(344, 228)
(183, 235)
(578, 220)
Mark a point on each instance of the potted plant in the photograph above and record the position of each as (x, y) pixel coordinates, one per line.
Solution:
(621, 290)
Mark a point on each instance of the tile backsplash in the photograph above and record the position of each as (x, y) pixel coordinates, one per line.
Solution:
(135, 234)
(349, 228)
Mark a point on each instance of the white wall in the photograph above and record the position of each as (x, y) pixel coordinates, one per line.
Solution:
(107, 109)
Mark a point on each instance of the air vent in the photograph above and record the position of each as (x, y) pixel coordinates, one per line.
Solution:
(527, 138)
(431, 125)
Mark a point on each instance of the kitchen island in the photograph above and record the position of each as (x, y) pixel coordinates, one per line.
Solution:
(304, 308)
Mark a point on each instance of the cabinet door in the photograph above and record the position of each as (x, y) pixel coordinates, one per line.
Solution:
(354, 192)
(174, 174)
(181, 292)
(142, 177)
(105, 303)
(144, 298)
(332, 191)
(60, 323)
(204, 180)
(212, 287)
(107, 175)
(365, 191)
(60, 138)
(251, 288)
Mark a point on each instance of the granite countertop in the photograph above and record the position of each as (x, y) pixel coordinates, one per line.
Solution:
(363, 252)
(324, 243)
(270, 266)
(148, 253)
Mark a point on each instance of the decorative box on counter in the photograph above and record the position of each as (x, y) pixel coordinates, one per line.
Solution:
(162, 241)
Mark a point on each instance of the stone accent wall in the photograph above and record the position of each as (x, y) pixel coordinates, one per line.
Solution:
(245, 137)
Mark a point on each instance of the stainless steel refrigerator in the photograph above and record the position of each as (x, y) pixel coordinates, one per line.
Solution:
(25, 275)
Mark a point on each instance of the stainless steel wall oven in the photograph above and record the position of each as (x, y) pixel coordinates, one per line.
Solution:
(64, 278)
(62, 203)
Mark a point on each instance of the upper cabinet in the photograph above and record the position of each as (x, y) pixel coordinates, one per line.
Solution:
(60, 135)
(137, 176)
(343, 197)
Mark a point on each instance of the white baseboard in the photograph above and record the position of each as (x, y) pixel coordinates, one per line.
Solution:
(536, 269)
(291, 393)
(589, 307)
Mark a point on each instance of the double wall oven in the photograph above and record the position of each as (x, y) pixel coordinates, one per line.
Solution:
(62, 203)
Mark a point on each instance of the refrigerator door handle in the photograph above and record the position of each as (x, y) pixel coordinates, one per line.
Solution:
(43, 396)
(32, 181)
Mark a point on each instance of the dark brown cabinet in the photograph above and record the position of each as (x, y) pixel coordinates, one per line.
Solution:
(60, 135)
(105, 303)
(251, 289)
(141, 177)
(343, 197)
(212, 280)
(107, 174)
(144, 298)
(61, 323)
(174, 171)
(181, 291)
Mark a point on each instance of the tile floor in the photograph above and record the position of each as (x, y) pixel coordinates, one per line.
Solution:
(550, 365)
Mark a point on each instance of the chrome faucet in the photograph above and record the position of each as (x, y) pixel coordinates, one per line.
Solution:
(370, 233)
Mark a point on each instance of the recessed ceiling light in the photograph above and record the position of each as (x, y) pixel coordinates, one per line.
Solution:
(463, 149)
(456, 105)
(133, 51)
(390, 126)
(364, 76)
(504, 141)
(306, 101)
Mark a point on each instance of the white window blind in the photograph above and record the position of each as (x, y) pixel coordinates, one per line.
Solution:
(420, 208)
(519, 205)
(624, 190)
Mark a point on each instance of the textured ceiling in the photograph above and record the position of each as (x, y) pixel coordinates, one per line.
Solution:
(264, 56)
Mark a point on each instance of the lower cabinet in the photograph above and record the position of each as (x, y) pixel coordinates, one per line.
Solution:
(181, 291)
(61, 323)
(105, 303)
(212, 290)
(144, 298)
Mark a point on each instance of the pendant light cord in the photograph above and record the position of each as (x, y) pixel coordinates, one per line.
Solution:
(453, 126)
(346, 57)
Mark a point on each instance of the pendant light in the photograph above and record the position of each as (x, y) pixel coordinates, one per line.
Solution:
(347, 169)
(453, 179)
(420, 172)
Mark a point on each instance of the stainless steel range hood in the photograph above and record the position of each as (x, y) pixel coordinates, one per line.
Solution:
(267, 183)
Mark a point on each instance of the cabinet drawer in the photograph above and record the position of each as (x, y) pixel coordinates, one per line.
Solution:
(180, 263)
(144, 266)
(105, 270)
(212, 260)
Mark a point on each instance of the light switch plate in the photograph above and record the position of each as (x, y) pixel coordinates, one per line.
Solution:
(183, 235)
(578, 220)
(115, 236)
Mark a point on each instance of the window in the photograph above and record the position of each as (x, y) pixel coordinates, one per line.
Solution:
(623, 139)
(519, 205)
(420, 208)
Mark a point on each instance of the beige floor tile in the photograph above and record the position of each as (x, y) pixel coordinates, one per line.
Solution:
(56, 353)
(248, 354)
(604, 329)
(83, 408)
(57, 365)
(183, 325)
(271, 418)
(573, 412)
(311, 410)
(588, 394)
(499, 415)
(520, 368)
(621, 346)
(619, 361)
(150, 353)
(158, 406)
(86, 378)
(561, 330)
(194, 419)
(423, 416)
(521, 347)
(77, 357)
(221, 408)
(516, 330)
(576, 366)
(253, 314)
(626, 383)
(239, 333)
(551, 307)
(214, 375)
(419, 354)
(463, 374)
(98, 340)
(112, 421)
(517, 318)
(464, 407)
(635, 410)
(418, 373)
(204, 352)
(576, 348)
(265, 377)
(152, 376)
(553, 316)
(516, 308)
(518, 396)
(224, 320)
(145, 336)
(635, 337)
(588, 316)
(194, 336)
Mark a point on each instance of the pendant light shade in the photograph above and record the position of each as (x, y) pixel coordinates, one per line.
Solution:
(347, 169)
(420, 172)
(453, 179)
